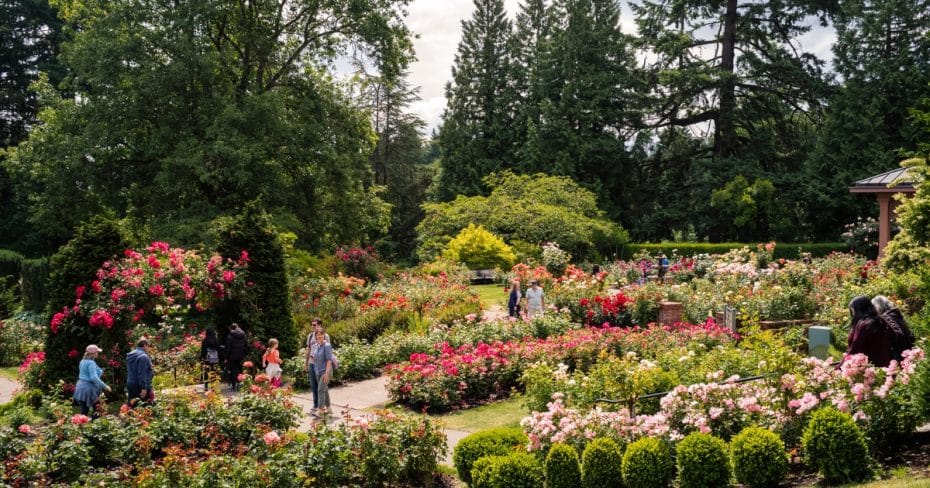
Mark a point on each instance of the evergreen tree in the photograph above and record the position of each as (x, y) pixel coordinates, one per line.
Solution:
(99, 239)
(882, 53)
(263, 310)
(398, 159)
(590, 108)
(713, 61)
(476, 134)
(30, 36)
(532, 43)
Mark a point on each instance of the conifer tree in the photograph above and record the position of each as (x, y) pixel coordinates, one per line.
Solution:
(476, 133)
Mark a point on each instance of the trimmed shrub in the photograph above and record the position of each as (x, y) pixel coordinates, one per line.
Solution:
(702, 461)
(493, 442)
(835, 447)
(647, 463)
(562, 467)
(477, 248)
(601, 464)
(517, 470)
(758, 457)
(10, 262)
(782, 250)
(76, 263)
(264, 311)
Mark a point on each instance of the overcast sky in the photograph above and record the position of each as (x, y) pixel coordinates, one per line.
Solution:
(439, 26)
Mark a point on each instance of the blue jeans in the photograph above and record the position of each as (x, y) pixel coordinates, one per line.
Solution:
(314, 386)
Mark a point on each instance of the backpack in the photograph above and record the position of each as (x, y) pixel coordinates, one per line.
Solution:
(212, 356)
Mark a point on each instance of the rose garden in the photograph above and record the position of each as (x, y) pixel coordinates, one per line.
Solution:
(603, 243)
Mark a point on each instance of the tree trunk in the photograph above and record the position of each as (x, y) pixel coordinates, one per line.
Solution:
(725, 130)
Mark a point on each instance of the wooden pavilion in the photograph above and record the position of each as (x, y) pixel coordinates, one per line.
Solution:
(884, 186)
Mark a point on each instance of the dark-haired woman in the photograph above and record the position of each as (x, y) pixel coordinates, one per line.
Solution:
(868, 333)
(209, 356)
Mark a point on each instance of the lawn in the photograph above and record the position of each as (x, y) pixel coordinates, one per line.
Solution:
(11, 372)
(491, 294)
(505, 413)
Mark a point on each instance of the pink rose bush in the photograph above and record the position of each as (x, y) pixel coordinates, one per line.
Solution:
(454, 377)
(723, 407)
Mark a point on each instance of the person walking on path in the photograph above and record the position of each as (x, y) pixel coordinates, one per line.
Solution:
(209, 356)
(868, 333)
(139, 374)
(902, 338)
(323, 365)
(535, 300)
(271, 361)
(236, 346)
(89, 384)
(513, 300)
(310, 365)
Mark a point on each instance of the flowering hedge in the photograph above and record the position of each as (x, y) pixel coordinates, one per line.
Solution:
(459, 376)
(160, 291)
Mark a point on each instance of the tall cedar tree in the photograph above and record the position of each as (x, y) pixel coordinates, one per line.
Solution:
(882, 53)
(30, 37)
(99, 239)
(589, 107)
(189, 108)
(532, 38)
(398, 160)
(263, 311)
(476, 126)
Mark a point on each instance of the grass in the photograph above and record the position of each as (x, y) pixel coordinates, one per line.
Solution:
(11, 372)
(504, 413)
(492, 294)
(896, 483)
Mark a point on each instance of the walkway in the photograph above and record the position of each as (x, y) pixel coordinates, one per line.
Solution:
(7, 388)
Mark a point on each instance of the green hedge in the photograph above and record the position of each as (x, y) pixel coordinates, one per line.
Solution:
(782, 250)
(10, 262)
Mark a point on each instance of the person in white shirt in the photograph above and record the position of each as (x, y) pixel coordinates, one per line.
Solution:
(535, 300)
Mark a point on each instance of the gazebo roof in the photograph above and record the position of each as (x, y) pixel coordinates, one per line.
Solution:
(879, 183)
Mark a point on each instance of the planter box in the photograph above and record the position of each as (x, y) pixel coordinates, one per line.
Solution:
(670, 312)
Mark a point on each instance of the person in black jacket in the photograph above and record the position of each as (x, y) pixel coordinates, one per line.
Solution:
(209, 355)
(902, 338)
(236, 345)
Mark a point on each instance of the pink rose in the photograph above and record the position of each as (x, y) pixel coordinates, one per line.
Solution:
(78, 419)
(272, 438)
(25, 429)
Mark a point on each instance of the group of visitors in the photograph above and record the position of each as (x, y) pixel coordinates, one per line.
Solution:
(320, 362)
(533, 302)
(139, 374)
(878, 329)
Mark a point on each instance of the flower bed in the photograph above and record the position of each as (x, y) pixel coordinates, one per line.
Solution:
(464, 375)
(724, 406)
(208, 441)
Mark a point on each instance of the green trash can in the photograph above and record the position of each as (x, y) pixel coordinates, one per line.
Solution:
(818, 341)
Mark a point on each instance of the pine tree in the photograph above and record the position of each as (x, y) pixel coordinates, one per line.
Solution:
(531, 43)
(476, 136)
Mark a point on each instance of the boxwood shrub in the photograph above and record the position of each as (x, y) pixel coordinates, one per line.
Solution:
(835, 447)
(702, 462)
(647, 463)
(601, 464)
(759, 458)
(515, 470)
(563, 469)
(493, 442)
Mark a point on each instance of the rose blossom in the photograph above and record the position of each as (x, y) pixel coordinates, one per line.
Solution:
(272, 438)
(78, 419)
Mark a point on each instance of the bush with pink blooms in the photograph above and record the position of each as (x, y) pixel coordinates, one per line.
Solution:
(160, 291)
(460, 376)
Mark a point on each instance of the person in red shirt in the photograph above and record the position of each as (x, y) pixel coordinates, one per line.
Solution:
(271, 361)
(868, 333)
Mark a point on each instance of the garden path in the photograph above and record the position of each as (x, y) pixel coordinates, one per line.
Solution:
(358, 399)
(493, 312)
(7, 388)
